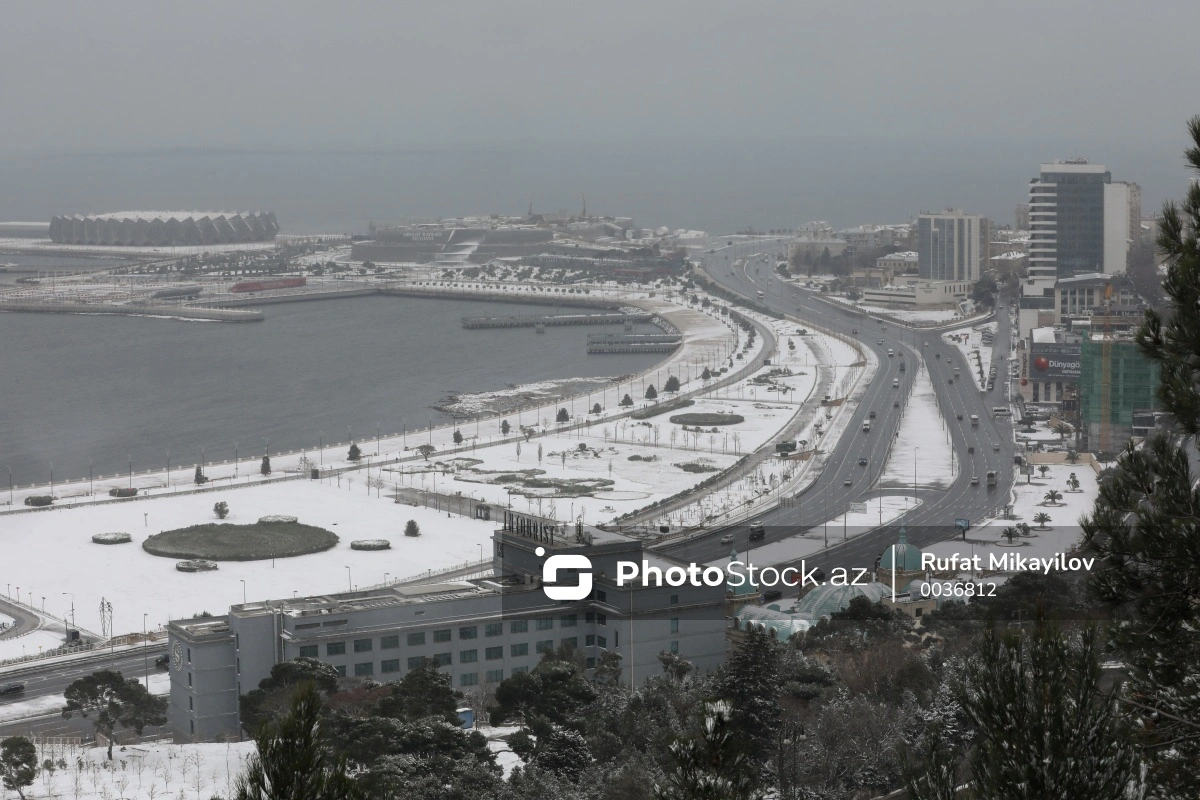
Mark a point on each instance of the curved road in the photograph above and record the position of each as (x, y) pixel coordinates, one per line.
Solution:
(828, 496)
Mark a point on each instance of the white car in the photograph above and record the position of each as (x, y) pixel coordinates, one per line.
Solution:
(727, 539)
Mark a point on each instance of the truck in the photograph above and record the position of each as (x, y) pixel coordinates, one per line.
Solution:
(787, 446)
(991, 478)
(866, 426)
(974, 420)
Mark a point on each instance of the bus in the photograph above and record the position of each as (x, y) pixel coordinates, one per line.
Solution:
(1001, 411)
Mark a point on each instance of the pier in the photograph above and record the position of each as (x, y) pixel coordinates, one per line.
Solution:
(548, 320)
(633, 342)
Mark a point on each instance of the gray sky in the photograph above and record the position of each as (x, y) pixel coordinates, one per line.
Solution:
(134, 75)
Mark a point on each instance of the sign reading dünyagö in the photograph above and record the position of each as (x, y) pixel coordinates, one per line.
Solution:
(1055, 362)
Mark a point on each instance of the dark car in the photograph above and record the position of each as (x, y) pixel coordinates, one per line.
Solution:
(162, 661)
(757, 531)
(854, 330)
(862, 462)
(959, 417)
(11, 688)
(937, 355)
(872, 415)
(896, 404)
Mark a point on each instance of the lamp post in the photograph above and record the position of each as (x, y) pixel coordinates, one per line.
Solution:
(72, 594)
(130, 470)
(235, 458)
(168, 469)
(145, 657)
(349, 584)
(243, 582)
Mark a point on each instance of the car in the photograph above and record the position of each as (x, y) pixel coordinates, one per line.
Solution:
(971, 449)
(950, 380)
(896, 404)
(974, 480)
(937, 355)
(871, 415)
(11, 688)
(847, 482)
(880, 341)
(854, 330)
(757, 531)
(927, 344)
(996, 446)
(727, 539)
(862, 462)
(162, 661)
(958, 417)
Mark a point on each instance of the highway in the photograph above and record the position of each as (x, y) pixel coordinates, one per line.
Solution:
(828, 496)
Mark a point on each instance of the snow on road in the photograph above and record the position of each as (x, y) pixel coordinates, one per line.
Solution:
(922, 453)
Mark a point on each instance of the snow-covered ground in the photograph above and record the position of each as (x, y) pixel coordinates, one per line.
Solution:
(915, 315)
(159, 683)
(922, 452)
(142, 772)
(30, 643)
(978, 355)
(505, 757)
(56, 554)
(1063, 532)
(880, 511)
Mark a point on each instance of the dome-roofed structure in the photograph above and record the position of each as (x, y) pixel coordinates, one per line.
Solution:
(901, 556)
(824, 600)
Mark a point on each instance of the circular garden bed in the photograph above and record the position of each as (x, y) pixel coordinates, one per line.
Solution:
(701, 418)
(112, 538)
(227, 542)
(370, 544)
(196, 565)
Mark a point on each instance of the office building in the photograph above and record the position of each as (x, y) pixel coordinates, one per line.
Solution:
(479, 631)
(950, 246)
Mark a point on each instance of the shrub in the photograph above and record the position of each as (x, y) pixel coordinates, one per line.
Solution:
(221, 509)
(411, 528)
(39, 500)
(122, 492)
(355, 452)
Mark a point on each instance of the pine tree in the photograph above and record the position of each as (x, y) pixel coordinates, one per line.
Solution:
(711, 766)
(651, 392)
(355, 452)
(199, 478)
(626, 401)
(292, 760)
(751, 681)
(265, 469)
(1146, 528)
(221, 509)
(706, 375)
(411, 528)
(672, 384)
(562, 416)
(1044, 727)
(18, 763)
(505, 427)
(113, 702)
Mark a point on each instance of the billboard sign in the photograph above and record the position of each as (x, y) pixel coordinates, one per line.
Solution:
(1054, 362)
(858, 508)
(962, 524)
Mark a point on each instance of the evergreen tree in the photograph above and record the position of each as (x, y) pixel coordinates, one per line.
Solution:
(458, 437)
(114, 702)
(651, 392)
(265, 469)
(273, 696)
(672, 384)
(18, 764)
(505, 427)
(292, 761)
(1146, 528)
(199, 478)
(411, 528)
(355, 452)
(562, 416)
(706, 375)
(1044, 727)
(626, 401)
(221, 509)
(422, 692)
(751, 681)
(710, 766)
(596, 409)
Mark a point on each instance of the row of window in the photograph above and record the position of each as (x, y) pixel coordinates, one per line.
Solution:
(467, 656)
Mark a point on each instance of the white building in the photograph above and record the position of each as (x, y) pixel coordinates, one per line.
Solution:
(949, 246)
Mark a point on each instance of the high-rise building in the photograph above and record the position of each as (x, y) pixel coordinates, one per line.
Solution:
(1068, 205)
(950, 246)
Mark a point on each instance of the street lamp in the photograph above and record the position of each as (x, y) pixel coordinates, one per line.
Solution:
(72, 594)
(145, 657)
(243, 592)
(348, 580)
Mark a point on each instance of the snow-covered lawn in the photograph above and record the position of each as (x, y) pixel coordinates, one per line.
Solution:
(1063, 532)
(51, 552)
(838, 529)
(31, 643)
(142, 772)
(915, 315)
(922, 451)
(978, 355)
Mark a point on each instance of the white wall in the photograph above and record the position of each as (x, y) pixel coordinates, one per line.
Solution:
(1116, 227)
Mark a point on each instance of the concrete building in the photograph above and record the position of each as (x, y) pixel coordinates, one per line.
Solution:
(950, 246)
(1080, 220)
(1079, 302)
(480, 631)
(917, 293)
(811, 249)
(1022, 217)
(898, 263)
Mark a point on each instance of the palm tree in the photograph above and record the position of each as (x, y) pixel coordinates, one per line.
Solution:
(1073, 482)
(1011, 534)
(1023, 527)
(1072, 457)
(1052, 497)
(1042, 470)
(1062, 429)
(1041, 518)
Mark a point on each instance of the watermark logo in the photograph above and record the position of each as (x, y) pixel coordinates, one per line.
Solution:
(550, 571)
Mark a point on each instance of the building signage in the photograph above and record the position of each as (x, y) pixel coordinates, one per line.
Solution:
(1059, 363)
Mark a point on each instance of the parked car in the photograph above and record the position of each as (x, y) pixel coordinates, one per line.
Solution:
(11, 688)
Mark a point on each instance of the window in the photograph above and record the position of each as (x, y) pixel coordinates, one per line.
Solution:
(494, 675)
(674, 624)
(571, 641)
(416, 639)
(414, 662)
(362, 670)
(518, 626)
(544, 646)
(468, 679)
(309, 651)
(493, 629)
(521, 649)
(616, 638)
(545, 624)
(341, 670)
(493, 653)
(590, 662)
(602, 619)
(601, 641)
(389, 642)
(189, 679)
(468, 632)
(442, 635)
(675, 646)
(602, 596)
(569, 621)
(191, 704)
(520, 670)
(590, 617)
(468, 656)
(674, 599)
(589, 641)
(364, 645)
(442, 659)
(389, 665)
(335, 649)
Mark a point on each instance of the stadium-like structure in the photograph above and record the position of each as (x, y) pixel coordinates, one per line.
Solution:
(164, 228)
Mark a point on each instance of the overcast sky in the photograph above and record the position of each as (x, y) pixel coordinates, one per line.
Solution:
(306, 75)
